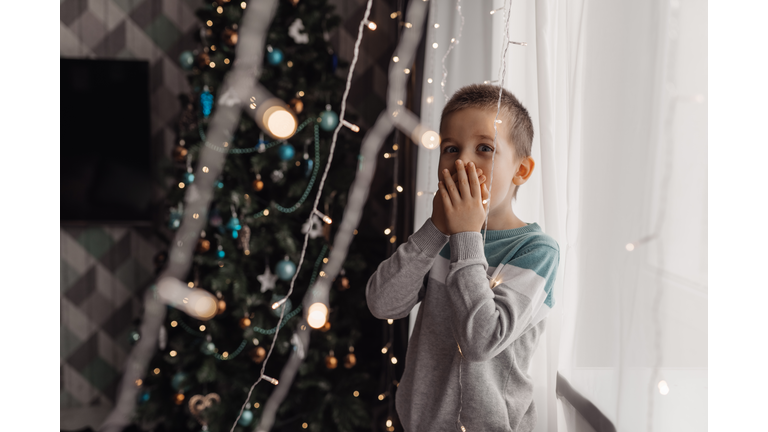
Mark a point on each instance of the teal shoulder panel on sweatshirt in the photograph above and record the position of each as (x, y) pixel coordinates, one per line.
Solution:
(500, 244)
(544, 259)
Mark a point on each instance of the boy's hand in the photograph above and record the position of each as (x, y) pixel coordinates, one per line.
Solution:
(438, 209)
(462, 200)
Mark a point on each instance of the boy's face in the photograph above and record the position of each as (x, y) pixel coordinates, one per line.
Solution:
(468, 134)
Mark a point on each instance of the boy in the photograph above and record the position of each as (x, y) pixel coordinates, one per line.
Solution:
(483, 305)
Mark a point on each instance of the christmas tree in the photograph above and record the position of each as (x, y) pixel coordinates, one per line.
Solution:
(249, 250)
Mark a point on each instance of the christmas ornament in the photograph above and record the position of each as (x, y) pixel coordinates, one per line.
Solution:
(350, 361)
(258, 185)
(330, 361)
(206, 102)
(294, 31)
(162, 338)
(203, 59)
(229, 36)
(285, 269)
(199, 403)
(267, 280)
(244, 322)
(257, 354)
(220, 251)
(180, 381)
(208, 348)
(334, 62)
(274, 56)
(187, 60)
(180, 154)
(178, 398)
(296, 105)
(221, 306)
(328, 119)
(309, 164)
(188, 177)
(143, 396)
(245, 418)
(174, 219)
(316, 229)
(134, 337)
(343, 281)
(203, 245)
(234, 226)
(286, 152)
(277, 175)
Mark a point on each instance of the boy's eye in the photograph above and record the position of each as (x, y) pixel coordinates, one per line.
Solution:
(482, 146)
(488, 147)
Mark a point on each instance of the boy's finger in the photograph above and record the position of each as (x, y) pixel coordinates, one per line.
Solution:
(474, 181)
(463, 183)
(452, 196)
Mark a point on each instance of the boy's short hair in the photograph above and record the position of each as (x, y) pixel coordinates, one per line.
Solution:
(512, 112)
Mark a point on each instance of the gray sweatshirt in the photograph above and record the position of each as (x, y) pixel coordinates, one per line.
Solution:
(482, 311)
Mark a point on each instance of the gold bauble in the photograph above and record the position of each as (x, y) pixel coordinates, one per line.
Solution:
(258, 185)
(203, 245)
(350, 361)
(257, 354)
(221, 306)
(245, 322)
(203, 59)
(178, 398)
(296, 105)
(344, 283)
(331, 362)
(179, 153)
(229, 36)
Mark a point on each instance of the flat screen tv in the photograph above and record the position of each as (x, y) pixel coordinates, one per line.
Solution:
(105, 141)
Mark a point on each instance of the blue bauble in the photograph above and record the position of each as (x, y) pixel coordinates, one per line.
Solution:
(208, 348)
(275, 57)
(246, 418)
(285, 269)
(180, 381)
(188, 178)
(206, 102)
(187, 60)
(219, 185)
(328, 120)
(287, 152)
(308, 167)
(220, 254)
(234, 224)
(143, 396)
(175, 221)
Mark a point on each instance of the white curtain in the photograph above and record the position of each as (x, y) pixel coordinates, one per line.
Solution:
(618, 95)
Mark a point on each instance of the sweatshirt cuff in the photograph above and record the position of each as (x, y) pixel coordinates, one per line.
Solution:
(429, 239)
(467, 245)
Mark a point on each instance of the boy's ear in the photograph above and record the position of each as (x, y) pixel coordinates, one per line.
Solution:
(524, 171)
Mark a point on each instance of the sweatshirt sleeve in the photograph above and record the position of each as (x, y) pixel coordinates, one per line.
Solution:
(491, 314)
(393, 289)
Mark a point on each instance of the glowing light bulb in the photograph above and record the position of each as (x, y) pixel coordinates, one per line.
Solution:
(202, 327)
(381, 396)
(226, 61)
(389, 423)
(384, 350)
(430, 139)
(437, 25)
(220, 9)
(663, 387)
(317, 315)
(630, 247)
(387, 231)
(280, 122)
(212, 65)
(139, 382)
(429, 80)
(210, 23)
(395, 59)
(191, 285)
(399, 189)
(390, 321)
(266, 212)
(407, 71)
(242, 5)
(372, 25)
(434, 45)
(195, 216)
(205, 307)
(394, 15)
(304, 425)
(174, 323)
(157, 371)
(172, 353)
(356, 393)
(408, 25)
(181, 185)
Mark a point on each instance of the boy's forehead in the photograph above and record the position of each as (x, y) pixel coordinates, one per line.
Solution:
(472, 121)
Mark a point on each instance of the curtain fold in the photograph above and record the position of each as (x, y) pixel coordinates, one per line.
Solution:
(617, 95)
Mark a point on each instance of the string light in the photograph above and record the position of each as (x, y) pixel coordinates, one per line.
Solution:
(392, 239)
(304, 425)
(406, 70)
(213, 47)
(242, 5)
(220, 9)
(496, 10)
(289, 63)
(212, 64)
(382, 396)
(172, 353)
(356, 393)
(353, 127)
(279, 303)
(663, 387)
(390, 321)
(389, 422)
(437, 25)
(394, 15)
(434, 45)
(518, 43)
(317, 315)
(399, 188)
(393, 360)
(394, 147)
(430, 139)
(174, 323)
(156, 371)
(407, 25)
(139, 382)
(371, 25)
(385, 349)
(202, 327)
(191, 284)
(269, 379)
(429, 80)
(210, 23)
(181, 185)
(325, 218)
(395, 59)
(387, 231)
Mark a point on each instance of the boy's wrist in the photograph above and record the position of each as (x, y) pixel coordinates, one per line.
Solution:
(430, 239)
(466, 245)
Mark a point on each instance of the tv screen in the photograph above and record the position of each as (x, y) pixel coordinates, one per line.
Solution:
(105, 141)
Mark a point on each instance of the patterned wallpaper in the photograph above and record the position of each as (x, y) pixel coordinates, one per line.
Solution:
(104, 269)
